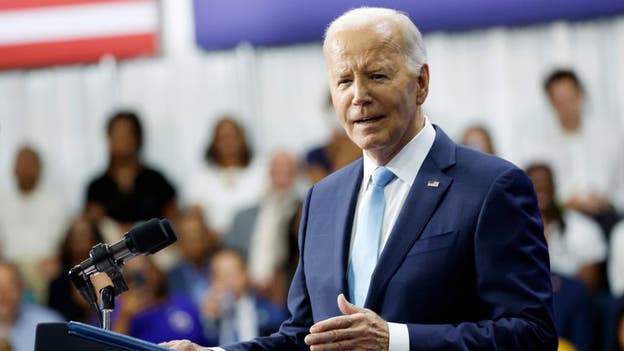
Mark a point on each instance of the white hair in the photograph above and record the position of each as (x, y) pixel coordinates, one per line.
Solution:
(382, 21)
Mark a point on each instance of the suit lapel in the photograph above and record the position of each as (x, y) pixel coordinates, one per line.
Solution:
(428, 189)
(346, 200)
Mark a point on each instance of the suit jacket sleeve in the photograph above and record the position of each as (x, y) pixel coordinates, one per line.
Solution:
(292, 332)
(513, 278)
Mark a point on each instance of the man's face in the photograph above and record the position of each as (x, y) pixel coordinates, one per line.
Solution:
(122, 140)
(283, 172)
(27, 169)
(375, 95)
(229, 273)
(566, 98)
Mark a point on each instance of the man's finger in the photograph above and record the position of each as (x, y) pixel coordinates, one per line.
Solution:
(346, 307)
(332, 336)
(179, 345)
(337, 346)
(339, 322)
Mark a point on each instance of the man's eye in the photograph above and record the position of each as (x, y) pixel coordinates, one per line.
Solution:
(344, 81)
(378, 77)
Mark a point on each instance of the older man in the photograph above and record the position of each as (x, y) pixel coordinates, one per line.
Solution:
(437, 247)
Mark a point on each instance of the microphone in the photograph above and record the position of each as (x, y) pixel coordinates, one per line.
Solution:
(144, 239)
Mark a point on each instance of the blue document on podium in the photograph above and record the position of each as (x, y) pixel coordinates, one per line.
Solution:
(111, 338)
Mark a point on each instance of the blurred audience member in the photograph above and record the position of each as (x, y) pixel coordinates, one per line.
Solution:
(196, 244)
(575, 243)
(229, 180)
(63, 296)
(261, 232)
(147, 311)
(572, 306)
(231, 311)
(338, 152)
(587, 157)
(478, 138)
(129, 191)
(18, 319)
(618, 331)
(616, 261)
(31, 223)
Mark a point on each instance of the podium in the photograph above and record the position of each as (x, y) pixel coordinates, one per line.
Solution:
(74, 336)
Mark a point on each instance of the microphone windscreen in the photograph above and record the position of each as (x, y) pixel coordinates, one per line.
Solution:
(151, 236)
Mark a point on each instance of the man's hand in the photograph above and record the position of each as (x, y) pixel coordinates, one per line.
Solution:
(357, 328)
(182, 345)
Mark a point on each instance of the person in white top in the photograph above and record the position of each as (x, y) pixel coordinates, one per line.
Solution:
(32, 222)
(230, 179)
(615, 267)
(587, 157)
(576, 245)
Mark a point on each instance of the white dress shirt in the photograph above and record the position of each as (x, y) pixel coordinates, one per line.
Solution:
(580, 244)
(405, 165)
(589, 161)
(31, 225)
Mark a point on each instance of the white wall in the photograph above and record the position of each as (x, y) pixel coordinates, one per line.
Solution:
(491, 76)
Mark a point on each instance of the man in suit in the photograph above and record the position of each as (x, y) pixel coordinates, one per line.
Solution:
(457, 258)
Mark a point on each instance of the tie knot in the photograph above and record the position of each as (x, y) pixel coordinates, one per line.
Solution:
(382, 176)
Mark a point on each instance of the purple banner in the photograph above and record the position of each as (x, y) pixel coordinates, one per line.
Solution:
(224, 24)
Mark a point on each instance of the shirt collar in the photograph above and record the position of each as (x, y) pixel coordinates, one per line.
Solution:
(405, 164)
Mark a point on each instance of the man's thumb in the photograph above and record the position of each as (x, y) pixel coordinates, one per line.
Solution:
(346, 307)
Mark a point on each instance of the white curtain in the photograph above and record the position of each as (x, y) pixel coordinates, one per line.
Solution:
(492, 77)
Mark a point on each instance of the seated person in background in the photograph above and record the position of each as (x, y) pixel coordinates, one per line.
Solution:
(228, 181)
(147, 311)
(618, 331)
(32, 221)
(19, 319)
(587, 156)
(478, 138)
(615, 266)
(129, 191)
(575, 243)
(63, 296)
(261, 232)
(196, 244)
(230, 310)
(338, 152)
(573, 313)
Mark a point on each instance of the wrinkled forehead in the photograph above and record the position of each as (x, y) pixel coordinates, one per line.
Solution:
(362, 48)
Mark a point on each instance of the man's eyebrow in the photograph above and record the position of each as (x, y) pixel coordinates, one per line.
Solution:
(340, 70)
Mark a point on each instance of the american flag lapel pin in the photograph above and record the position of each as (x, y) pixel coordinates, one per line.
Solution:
(433, 183)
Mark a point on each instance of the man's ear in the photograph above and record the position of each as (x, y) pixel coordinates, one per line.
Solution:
(423, 84)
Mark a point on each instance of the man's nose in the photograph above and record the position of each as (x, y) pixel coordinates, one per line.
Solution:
(361, 94)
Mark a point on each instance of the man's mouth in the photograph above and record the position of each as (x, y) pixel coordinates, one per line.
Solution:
(368, 119)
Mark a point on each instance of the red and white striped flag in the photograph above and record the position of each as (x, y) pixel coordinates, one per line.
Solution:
(35, 33)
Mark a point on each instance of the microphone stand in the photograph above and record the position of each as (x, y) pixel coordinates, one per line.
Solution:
(108, 305)
(103, 262)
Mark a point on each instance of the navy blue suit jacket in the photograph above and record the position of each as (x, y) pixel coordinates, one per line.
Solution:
(465, 267)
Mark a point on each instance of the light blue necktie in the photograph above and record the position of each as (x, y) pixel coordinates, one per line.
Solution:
(367, 235)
